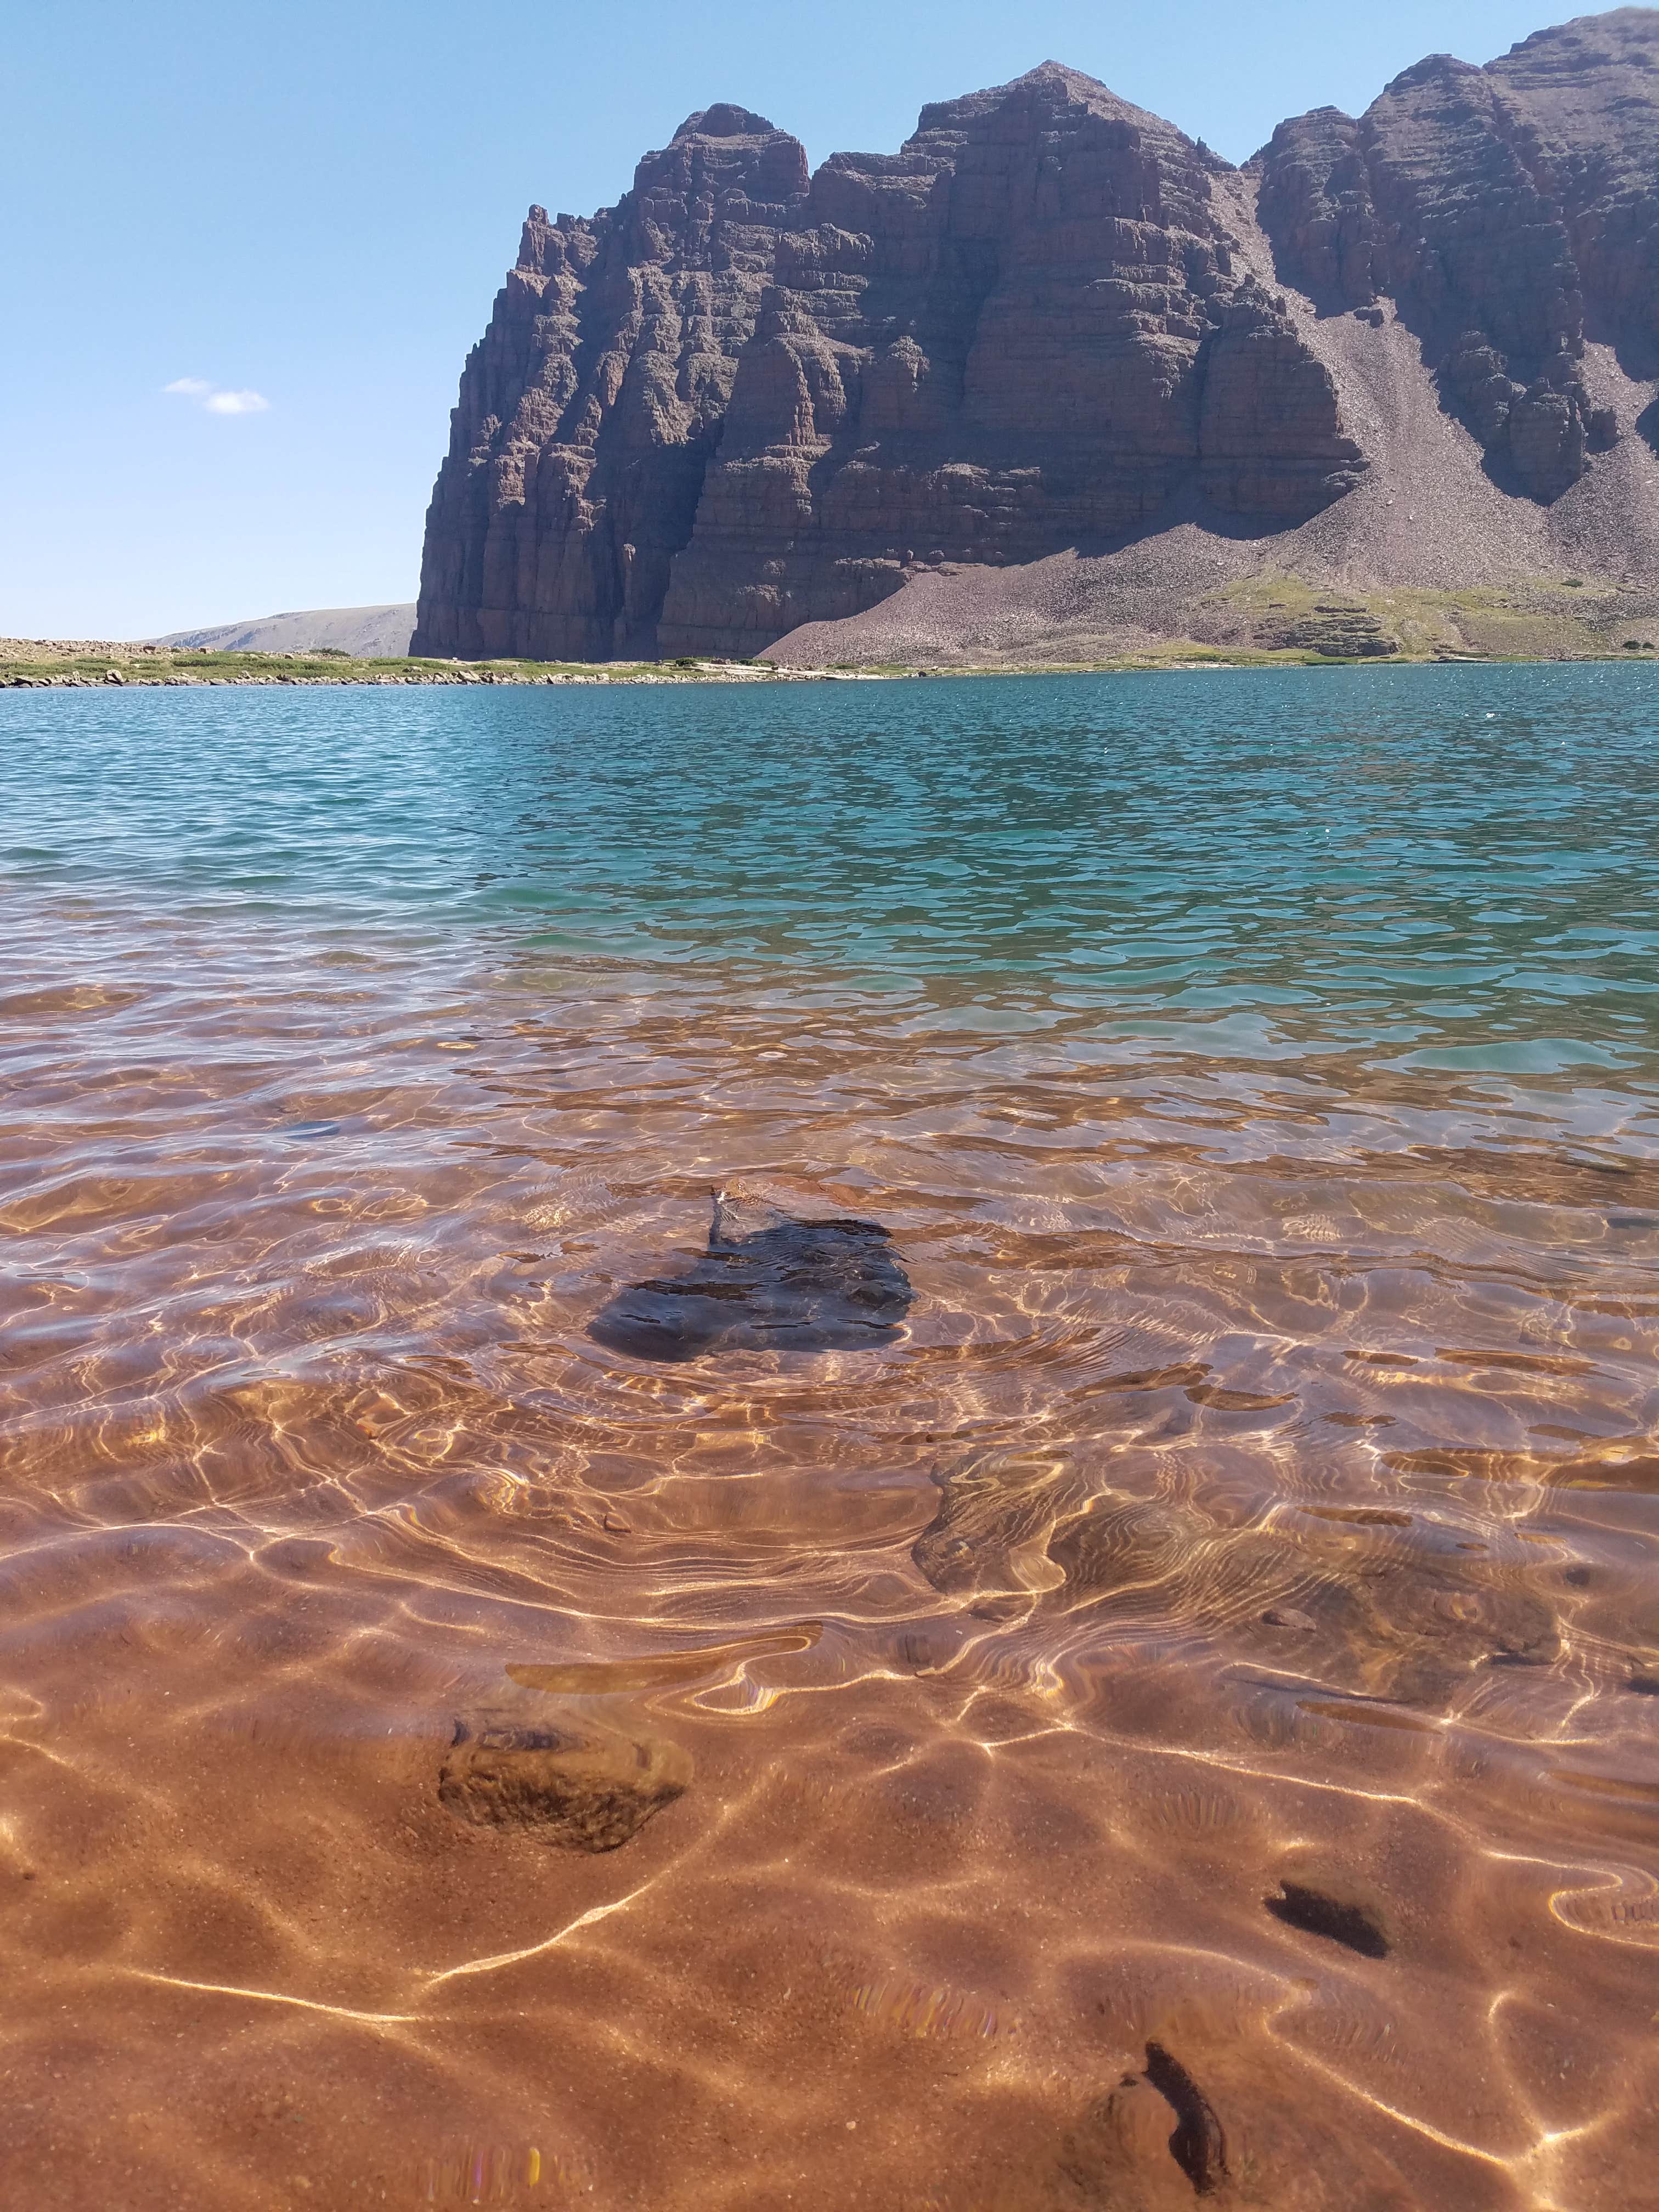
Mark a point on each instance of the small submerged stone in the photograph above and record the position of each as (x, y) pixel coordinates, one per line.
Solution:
(1342, 1920)
(1115, 2154)
(770, 1281)
(587, 1791)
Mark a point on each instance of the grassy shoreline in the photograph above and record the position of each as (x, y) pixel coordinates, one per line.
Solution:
(82, 671)
(200, 671)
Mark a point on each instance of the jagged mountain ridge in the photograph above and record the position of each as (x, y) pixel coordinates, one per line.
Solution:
(748, 399)
(1506, 210)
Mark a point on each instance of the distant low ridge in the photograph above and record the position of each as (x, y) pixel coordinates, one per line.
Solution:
(1055, 382)
(365, 633)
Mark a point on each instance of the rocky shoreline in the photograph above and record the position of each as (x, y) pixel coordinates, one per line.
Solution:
(39, 664)
(48, 664)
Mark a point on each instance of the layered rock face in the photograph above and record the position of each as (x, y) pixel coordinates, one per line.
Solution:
(1510, 211)
(589, 411)
(742, 400)
(1027, 329)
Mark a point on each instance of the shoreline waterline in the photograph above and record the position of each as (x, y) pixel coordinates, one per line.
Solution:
(80, 666)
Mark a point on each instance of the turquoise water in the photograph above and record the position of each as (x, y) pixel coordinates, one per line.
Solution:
(1449, 868)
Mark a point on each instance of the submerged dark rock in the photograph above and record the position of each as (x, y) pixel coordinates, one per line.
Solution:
(588, 1791)
(1109, 2156)
(1339, 1920)
(768, 1282)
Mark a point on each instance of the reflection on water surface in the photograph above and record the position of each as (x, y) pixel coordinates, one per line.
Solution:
(1175, 1722)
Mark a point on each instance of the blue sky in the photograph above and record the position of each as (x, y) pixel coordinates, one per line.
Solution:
(305, 210)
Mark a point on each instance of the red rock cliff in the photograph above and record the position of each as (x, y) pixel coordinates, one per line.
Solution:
(590, 409)
(1511, 211)
(741, 401)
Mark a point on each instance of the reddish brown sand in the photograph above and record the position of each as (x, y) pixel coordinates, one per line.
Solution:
(1178, 1727)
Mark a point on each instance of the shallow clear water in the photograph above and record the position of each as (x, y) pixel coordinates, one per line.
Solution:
(1256, 1074)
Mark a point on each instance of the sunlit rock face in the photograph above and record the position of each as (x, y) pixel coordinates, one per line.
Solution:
(744, 399)
(591, 407)
(1511, 211)
(738, 401)
(1028, 329)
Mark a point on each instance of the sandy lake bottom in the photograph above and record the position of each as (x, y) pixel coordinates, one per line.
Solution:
(1171, 1718)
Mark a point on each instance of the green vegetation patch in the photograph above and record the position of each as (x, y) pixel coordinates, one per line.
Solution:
(1533, 619)
(22, 664)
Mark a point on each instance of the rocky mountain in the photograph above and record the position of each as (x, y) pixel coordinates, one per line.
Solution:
(1507, 211)
(1055, 376)
(592, 411)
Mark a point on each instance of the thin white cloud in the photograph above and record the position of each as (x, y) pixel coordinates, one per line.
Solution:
(216, 401)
